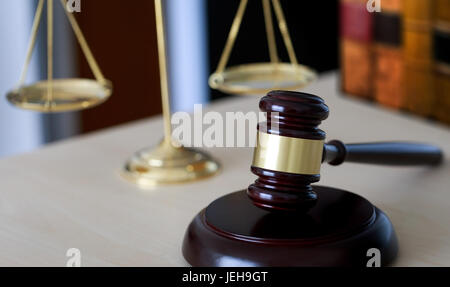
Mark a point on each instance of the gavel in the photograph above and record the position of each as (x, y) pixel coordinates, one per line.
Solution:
(290, 150)
(282, 219)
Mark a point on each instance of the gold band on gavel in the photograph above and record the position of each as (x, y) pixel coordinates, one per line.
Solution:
(287, 154)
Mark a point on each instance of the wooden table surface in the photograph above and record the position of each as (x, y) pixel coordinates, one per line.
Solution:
(70, 194)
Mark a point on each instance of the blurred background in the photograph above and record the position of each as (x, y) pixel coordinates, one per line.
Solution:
(373, 51)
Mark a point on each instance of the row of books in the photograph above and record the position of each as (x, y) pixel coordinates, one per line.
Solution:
(399, 57)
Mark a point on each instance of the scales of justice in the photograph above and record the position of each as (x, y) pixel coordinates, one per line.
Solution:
(168, 162)
(283, 218)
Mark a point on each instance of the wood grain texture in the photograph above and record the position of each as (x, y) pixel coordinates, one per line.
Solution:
(357, 68)
(418, 57)
(70, 194)
(442, 105)
(389, 76)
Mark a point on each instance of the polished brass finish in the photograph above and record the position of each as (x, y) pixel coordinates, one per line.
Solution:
(59, 95)
(287, 154)
(49, 103)
(168, 163)
(163, 71)
(260, 78)
(270, 32)
(67, 95)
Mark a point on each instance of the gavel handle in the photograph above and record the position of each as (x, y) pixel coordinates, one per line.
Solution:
(385, 153)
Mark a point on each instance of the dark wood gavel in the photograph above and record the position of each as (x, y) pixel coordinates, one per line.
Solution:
(291, 149)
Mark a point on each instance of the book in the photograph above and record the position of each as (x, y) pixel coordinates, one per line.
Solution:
(441, 57)
(418, 47)
(442, 108)
(389, 65)
(442, 10)
(392, 5)
(399, 57)
(356, 52)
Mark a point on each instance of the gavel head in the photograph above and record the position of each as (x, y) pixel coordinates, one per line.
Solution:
(289, 150)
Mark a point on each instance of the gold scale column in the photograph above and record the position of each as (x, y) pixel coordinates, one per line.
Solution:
(167, 163)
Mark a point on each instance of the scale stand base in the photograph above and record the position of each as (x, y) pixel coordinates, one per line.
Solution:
(167, 164)
(338, 231)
